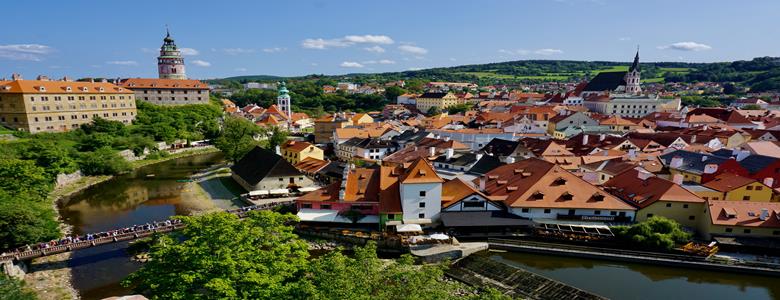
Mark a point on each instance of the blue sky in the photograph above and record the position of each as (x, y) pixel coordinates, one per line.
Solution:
(228, 38)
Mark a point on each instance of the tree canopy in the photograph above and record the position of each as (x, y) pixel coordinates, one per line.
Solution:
(237, 137)
(655, 232)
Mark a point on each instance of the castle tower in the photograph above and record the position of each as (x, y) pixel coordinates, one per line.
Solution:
(632, 77)
(170, 64)
(283, 101)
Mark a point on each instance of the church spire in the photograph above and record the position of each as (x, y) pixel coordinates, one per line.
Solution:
(635, 65)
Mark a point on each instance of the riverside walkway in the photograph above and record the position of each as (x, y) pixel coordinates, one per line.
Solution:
(69, 244)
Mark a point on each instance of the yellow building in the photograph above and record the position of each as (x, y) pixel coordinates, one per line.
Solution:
(742, 218)
(325, 126)
(358, 119)
(296, 151)
(737, 188)
(440, 100)
(703, 192)
(45, 105)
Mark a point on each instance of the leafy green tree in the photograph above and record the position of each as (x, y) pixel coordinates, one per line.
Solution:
(25, 220)
(752, 107)
(97, 140)
(275, 136)
(113, 128)
(54, 157)
(460, 108)
(14, 289)
(218, 256)
(103, 161)
(237, 137)
(434, 110)
(392, 93)
(23, 177)
(656, 232)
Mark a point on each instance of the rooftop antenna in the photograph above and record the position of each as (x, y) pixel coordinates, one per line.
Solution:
(167, 31)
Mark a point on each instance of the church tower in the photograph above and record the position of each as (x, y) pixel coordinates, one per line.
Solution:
(170, 64)
(632, 77)
(283, 101)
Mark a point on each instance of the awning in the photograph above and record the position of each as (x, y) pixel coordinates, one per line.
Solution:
(279, 191)
(408, 228)
(258, 193)
(318, 215)
(370, 219)
(417, 221)
(308, 189)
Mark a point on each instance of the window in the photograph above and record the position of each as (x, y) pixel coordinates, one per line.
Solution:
(597, 212)
(390, 216)
(547, 210)
(668, 205)
(691, 218)
(622, 214)
(525, 210)
(749, 187)
(685, 205)
(422, 204)
(281, 179)
(728, 230)
(776, 232)
(746, 231)
(745, 198)
(325, 206)
(421, 216)
(306, 205)
(758, 188)
(473, 204)
(649, 215)
(422, 193)
(612, 213)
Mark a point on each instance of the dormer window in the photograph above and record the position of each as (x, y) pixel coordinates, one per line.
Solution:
(598, 197)
(84, 89)
(42, 89)
(567, 196)
(559, 181)
(538, 195)
(502, 182)
(68, 89)
(100, 89)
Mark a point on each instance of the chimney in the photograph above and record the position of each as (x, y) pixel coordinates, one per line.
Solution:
(643, 175)
(676, 162)
(769, 181)
(42, 78)
(66, 78)
(446, 138)
(482, 182)
(584, 139)
(742, 155)
(677, 179)
(602, 137)
(764, 214)
(16, 76)
(278, 150)
(631, 153)
(710, 168)
(510, 159)
(450, 152)
(432, 151)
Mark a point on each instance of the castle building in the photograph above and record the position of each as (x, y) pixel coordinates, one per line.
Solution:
(621, 82)
(45, 105)
(170, 63)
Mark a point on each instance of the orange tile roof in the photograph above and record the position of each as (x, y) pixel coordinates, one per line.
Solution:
(420, 171)
(311, 165)
(389, 189)
(456, 189)
(726, 182)
(296, 146)
(60, 87)
(641, 193)
(362, 185)
(350, 132)
(535, 183)
(156, 83)
(327, 193)
(744, 213)
(617, 120)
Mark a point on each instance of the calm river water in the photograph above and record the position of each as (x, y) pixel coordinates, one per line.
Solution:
(617, 280)
(148, 194)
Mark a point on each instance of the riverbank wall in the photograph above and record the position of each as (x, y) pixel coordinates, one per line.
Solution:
(670, 260)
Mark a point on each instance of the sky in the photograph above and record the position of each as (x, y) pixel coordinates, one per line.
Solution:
(290, 38)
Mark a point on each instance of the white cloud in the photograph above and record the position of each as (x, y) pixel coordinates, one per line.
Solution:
(123, 62)
(686, 46)
(240, 69)
(453, 59)
(237, 51)
(411, 49)
(322, 44)
(414, 69)
(623, 39)
(381, 62)
(201, 63)
(188, 51)
(369, 39)
(548, 51)
(274, 50)
(351, 64)
(32, 52)
(346, 41)
(375, 49)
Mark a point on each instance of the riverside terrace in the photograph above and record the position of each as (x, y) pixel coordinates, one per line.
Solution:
(70, 243)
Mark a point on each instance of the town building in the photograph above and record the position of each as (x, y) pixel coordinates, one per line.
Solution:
(45, 105)
(630, 106)
(742, 219)
(297, 151)
(263, 172)
(737, 188)
(170, 63)
(441, 100)
(168, 91)
(283, 101)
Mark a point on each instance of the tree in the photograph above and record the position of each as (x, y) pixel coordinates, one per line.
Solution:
(97, 140)
(275, 136)
(392, 93)
(23, 177)
(434, 110)
(655, 232)
(218, 256)
(25, 220)
(237, 138)
(103, 161)
(752, 107)
(729, 88)
(54, 157)
(456, 109)
(113, 128)
(14, 289)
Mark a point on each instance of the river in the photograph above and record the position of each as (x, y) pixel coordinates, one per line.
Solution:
(618, 280)
(150, 193)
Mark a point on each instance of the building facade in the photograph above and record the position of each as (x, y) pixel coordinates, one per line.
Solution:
(45, 105)
(168, 91)
(441, 100)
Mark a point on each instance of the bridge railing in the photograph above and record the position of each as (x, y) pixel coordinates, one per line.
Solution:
(45, 249)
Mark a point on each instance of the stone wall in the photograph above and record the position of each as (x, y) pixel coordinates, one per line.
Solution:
(65, 179)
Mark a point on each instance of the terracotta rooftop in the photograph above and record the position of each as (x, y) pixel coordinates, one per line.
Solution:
(643, 192)
(296, 146)
(311, 165)
(60, 87)
(744, 213)
(155, 83)
(726, 182)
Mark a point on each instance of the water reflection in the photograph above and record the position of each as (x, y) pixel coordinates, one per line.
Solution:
(147, 194)
(638, 281)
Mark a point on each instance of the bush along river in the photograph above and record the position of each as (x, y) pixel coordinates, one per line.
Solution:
(619, 280)
(151, 193)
